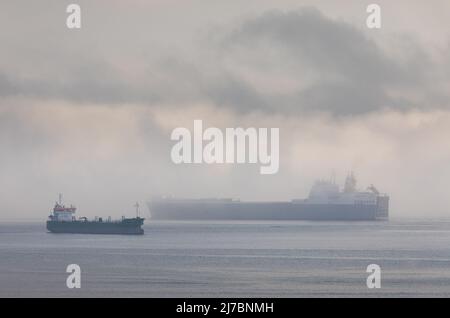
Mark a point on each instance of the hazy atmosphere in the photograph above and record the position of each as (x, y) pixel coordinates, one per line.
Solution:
(89, 112)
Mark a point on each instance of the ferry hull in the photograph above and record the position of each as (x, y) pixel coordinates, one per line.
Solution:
(235, 210)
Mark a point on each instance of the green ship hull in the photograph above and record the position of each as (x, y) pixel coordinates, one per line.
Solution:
(132, 226)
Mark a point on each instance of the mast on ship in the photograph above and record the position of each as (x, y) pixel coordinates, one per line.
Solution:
(137, 209)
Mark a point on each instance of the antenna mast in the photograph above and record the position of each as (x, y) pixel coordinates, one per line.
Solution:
(137, 209)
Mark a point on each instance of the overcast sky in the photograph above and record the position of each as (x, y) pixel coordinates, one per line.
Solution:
(89, 112)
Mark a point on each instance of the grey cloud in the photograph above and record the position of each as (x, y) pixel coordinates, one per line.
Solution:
(7, 88)
(352, 74)
(331, 46)
(90, 83)
(89, 80)
(230, 91)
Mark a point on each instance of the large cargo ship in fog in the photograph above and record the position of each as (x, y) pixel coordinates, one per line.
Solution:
(63, 220)
(325, 202)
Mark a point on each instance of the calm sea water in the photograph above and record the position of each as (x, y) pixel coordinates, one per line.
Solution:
(264, 259)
